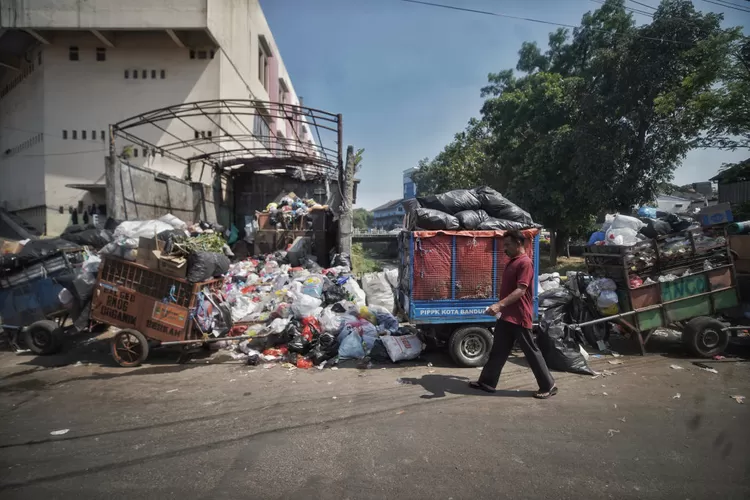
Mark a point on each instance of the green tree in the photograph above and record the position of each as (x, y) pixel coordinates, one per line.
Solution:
(362, 218)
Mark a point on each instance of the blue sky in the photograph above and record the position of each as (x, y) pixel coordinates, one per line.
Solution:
(406, 77)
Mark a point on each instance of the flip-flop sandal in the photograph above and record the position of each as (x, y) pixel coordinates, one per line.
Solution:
(481, 387)
(546, 395)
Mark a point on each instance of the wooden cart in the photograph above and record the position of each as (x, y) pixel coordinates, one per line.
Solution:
(151, 308)
(701, 283)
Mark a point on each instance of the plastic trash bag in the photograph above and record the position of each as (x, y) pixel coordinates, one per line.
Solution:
(299, 344)
(596, 237)
(470, 219)
(379, 353)
(330, 321)
(655, 228)
(278, 325)
(434, 220)
(304, 305)
(356, 292)
(202, 266)
(623, 236)
(403, 347)
(311, 328)
(501, 208)
(351, 347)
(378, 291)
(626, 221)
(142, 228)
(649, 212)
(392, 276)
(560, 350)
(94, 238)
(493, 224)
(312, 285)
(385, 321)
(606, 299)
(325, 348)
(452, 202)
(678, 223)
(173, 221)
(554, 298)
(599, 285)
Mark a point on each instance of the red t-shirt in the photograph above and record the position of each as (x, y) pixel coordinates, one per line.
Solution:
(519, 271)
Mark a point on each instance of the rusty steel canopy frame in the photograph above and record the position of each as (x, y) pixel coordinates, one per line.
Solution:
(316, 152)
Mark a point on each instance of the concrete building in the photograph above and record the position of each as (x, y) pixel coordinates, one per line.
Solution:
(410, 188)
(391, 214)
(69, 69)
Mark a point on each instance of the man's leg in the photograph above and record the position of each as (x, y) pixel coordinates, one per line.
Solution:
(501, 348)
(535, 359)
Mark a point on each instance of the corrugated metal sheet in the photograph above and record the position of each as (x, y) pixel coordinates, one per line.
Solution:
(736, 192)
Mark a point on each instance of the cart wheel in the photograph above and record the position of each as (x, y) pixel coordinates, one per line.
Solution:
(470, 345)
(704, 337)
(129, 348)
(43, 337)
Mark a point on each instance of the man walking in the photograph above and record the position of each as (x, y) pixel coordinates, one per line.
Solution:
(514, 313)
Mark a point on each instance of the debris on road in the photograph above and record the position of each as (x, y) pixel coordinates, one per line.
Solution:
(677, 396)
(615, 362)
(676, 367)
(172, 390)
(612, 432)
(739, 399)
(61, 432)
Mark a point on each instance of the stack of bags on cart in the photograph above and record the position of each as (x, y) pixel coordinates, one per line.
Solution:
(479, 209)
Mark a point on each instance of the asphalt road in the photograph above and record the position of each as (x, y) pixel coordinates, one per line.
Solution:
(231, 431)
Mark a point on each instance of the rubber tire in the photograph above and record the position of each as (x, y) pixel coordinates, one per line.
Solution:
(693, 331)
(454, 346)
(43, 327)
(141, 340)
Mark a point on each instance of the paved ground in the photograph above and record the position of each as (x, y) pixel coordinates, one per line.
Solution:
(231, 431)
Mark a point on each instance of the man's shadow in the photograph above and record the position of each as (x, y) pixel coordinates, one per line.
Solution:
(440, 385)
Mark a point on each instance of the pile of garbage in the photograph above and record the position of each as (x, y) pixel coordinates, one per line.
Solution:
(309, 316)
(291, 212)
(624, 230)
(479, 209)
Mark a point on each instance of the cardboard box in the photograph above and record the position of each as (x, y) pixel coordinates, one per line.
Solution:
(740, 245)
(171, 266)
(717, 214)
(146, 249)
(10, 247)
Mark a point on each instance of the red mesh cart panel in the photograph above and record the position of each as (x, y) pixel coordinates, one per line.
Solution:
(432, 267)
(474, 257)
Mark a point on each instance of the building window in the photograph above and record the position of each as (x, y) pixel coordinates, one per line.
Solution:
(261, 130)
(163, 74)
(65, 134)
(83, 135)
(75, 134)
(73, 53)
(93, 135)
(153, 74)
(202, 54)
(101, 135)
(101, 54)
(192, 54)
(197, 134)
(127, 74)
(263, 55)
(144, 74)
(212, 54)
(209, 134)
(282, 92)
(135, 74)
(39, 58)
(145, 152)
(135, 152)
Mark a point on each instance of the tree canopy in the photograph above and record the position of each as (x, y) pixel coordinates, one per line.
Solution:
(602, 118)
(362, 218)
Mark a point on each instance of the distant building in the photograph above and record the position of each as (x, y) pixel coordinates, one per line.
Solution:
(391, 214)
(410, 188)
(734, 183)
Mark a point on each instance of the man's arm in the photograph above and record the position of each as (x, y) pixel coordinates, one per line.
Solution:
(525, 277)
(514, 296)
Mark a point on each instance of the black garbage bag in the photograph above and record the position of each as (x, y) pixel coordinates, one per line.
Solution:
(493, 224)
(452, 202)
(501, 208)
(560, 350)
(95, 238)
(168, 237)
(434, 220)
(40, 249)
(111, 224)
(677, 223)
(655, 228)
(470, 219)
(326, 347)
(554, 298)
(379, 353)
(203, 266)
(299, 344)
(334, 294)
(341, 260)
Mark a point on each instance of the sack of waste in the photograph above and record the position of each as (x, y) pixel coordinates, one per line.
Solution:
(434, 220)
(403, 347)
(378, 291)
(560, 350)
(493, 224)
(452, 202)
(499, 207)
(470, 219)
(355, 291)
(202, 266)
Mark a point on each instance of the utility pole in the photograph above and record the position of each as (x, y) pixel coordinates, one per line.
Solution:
(347, 191)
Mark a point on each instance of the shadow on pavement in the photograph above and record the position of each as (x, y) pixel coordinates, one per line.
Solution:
(441, 385)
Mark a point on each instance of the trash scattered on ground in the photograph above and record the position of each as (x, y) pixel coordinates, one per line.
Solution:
(172, 390)
(677, 396)
(61, 432)
(608, 373)
(612, 432)
(709, 369)
(719, 357)
(615, 362)
(400, 412)
(605, 394)
(676, 367)
(739, 399)
(621, 419)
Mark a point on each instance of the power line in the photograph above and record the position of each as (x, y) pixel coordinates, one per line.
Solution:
(643, 4)
(66, 154)
(541, 21)
(636, 11)
(728, 5)
(98, 141)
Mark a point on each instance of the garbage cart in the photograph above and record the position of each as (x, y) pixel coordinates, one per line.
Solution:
(152, 309)
(29, 306)
(448, 279)
(681, 281)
